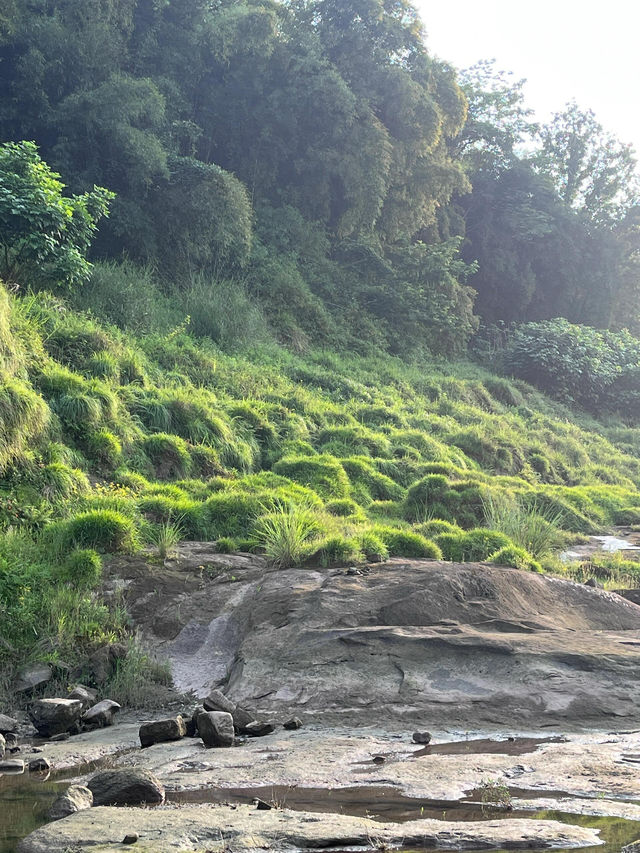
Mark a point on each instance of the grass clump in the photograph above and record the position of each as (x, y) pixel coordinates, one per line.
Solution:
(472, 546)
(533, 526)
(106, 531)
(516, 558)
(406, 543)
(285, 533)
(324, 474)
(168, 455)
(164, 536)
(105, 449)
(82, 568)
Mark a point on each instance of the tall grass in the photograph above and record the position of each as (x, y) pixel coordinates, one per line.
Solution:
(164, 536)
(285, 533)
(534, 527)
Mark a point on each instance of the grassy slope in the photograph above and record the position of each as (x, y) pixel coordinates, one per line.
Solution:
(109, 440)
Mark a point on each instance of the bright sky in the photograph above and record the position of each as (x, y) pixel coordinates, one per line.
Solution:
(587, 50)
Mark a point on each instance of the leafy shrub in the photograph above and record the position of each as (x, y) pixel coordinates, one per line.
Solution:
(104, 530)
(405, 543)
(324, 474)
(82, 568)
(285, 532)
(516, 557)
(169, 455)
(472, 546)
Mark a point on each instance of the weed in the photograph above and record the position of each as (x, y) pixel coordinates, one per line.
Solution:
(285, 533)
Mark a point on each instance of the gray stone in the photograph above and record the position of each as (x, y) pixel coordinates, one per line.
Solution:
(422, 737)
(217, 701)
(130, 838)
(61, 736)
(242, 718)
(216, 728)
(75, 799)
(125, 787)
(100, 715)
(292, 724)
(55, 716)
(259, 729)
(261, 805)
(87, 696)
(12, 765)
(7, 724)
(11, 740)
(39, 765)
(30, 677)
(162, 731)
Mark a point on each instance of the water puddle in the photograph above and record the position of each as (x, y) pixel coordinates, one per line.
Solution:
(597, 544)
(484, 746)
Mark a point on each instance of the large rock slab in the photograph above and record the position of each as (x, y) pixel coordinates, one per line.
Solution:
(194, 828)
(126, 786)
(55, 716)
(32, 676)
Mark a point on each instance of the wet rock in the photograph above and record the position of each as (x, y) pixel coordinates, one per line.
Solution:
(12, 765)
(292, 724)
(162, 731)
(30, 677)
(421, 737)
(39, 765)
(217, 701)
(259, 729)
(216, 728)
(87, 696)
(101, 714)
(7, 724)
(126, 786)
(130, 838)
(55, 716)
(75, 799)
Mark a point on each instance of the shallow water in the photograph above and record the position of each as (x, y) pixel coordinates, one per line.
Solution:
(24, 801)
(608, 544)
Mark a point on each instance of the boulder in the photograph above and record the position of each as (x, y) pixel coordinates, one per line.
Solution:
(259, 729)
(292, 724)
(32, 676)
(217, 701)
(75, 799)
(87, 696)
(12, 765)
(7, 724)
(11, 740)
(422, 737)
(130, 838)
(100, 715)
(216, 728)
(39, 765)
(162, 731)
(242, 718)
(192, 724)
(55, 716)
(125, 787)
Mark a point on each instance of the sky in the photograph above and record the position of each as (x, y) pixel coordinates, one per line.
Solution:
(582, 50)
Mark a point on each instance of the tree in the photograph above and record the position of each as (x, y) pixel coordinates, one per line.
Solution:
(44, 236)
(592, 171)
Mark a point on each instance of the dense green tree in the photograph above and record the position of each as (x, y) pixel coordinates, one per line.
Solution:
(44, 236)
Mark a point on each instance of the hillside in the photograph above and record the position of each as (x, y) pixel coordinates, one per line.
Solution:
(115, 443)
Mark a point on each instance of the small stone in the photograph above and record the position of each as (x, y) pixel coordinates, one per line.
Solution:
(12, 765)
(130, 838)
(216, 728)
(39, 765)
(292, 724)
(162, 731)
(422, 737)
(379, 759)
(7, 724)
(75, 799)
(259, 729)
(101, 715)
(217, 701)
(261, 805)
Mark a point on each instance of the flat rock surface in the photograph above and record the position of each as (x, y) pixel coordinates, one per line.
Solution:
(191, 828)
(444, 642)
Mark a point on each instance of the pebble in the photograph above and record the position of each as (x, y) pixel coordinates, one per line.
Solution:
(130, 838)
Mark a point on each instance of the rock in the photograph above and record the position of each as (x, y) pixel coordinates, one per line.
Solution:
(12, 765)
(13, 749)
(99, 665)
(261, 805)
(242, 718)
(594, 583)
(61, 736)
(117, 652)
(75, 799)
(259, 729)
(84, 694)
(292, 724)
(7, 724)
(39, 765)
(217, 701)
(30, 677)
(378, 759)
(3, 745)
(422, 737)
(37, 749)
(55, 716)
(192, 724)
(11, 740)
(101, 714)
(130, 838)
(125, 787)
(216, 728)
(161, 731)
